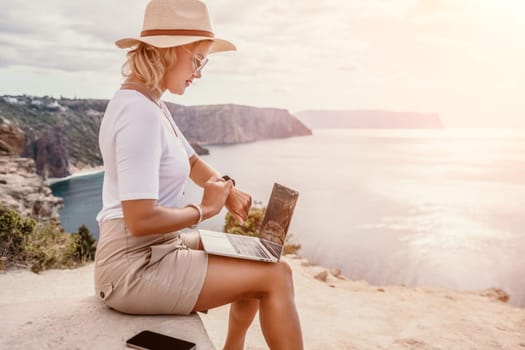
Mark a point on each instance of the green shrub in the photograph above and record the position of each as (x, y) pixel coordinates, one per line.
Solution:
(84, 245)
(252, 225)
(14, 230)
(24, 242)
(48, 247)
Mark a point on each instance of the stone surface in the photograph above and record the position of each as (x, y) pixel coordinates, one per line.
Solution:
(56, 309)
(11, 138)
(50, 152)
(23, 190)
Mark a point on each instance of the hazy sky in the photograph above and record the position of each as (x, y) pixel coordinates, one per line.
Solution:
(462, 59)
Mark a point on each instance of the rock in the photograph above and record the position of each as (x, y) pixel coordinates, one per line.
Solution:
(50, 152)
(23, 190)
(496, 294)
(336, 272)
(322, 276)
(306, 263)
(230, 124)
(11, 138)
(56, 319)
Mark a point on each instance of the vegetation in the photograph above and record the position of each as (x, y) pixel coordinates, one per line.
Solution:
(79, 118)
(85, 245)
(27, 243)
(252, 225)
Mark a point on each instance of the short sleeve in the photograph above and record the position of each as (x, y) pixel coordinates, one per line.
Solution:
(138, 151)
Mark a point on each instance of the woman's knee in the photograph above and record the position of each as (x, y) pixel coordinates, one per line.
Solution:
(283, 276)
(286, 269)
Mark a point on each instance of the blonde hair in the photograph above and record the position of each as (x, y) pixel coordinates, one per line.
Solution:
(149, 64)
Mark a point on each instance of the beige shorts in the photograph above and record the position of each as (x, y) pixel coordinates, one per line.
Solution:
(148, 275)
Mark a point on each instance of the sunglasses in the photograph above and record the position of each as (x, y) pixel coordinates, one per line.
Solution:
(198, 63)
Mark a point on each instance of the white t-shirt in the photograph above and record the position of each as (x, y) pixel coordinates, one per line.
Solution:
(143, 157)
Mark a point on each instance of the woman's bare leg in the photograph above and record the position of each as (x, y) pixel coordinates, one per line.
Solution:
(242, 313)
(230, 280)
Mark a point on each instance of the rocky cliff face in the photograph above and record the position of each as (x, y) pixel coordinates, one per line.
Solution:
(20, 187)
(58, 132)
(23, 190)
(11, 138)
(228, 124)
(50, 152)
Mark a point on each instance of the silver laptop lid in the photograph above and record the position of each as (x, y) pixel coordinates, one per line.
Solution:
(277, 218)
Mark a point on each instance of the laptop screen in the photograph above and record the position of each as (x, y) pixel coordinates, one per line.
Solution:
(276, 221)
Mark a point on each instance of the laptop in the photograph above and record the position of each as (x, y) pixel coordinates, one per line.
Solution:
(268, 244)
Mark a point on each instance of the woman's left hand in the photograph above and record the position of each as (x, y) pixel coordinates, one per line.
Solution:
(238, 203)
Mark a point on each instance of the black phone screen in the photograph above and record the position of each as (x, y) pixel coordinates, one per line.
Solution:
(149, 340)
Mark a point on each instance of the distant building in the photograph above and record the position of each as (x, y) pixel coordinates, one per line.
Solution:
(11, 100)
(55, 106)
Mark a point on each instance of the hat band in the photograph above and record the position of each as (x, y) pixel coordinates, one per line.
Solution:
(190, 32)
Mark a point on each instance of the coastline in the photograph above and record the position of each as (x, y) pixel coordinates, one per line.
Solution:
(335, 313)
(75, 173)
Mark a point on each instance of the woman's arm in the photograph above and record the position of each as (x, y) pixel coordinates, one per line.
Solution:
(201, 171)
(238, 202)
(145, 216)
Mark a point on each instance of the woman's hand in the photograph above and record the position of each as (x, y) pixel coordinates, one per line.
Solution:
(216, 191)
(238, 203)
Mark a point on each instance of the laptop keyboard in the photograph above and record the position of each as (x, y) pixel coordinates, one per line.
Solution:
(246, 245)
(274, 248)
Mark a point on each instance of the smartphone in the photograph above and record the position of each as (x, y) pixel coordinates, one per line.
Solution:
(148, 340)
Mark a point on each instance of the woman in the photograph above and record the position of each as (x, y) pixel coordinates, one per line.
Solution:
(143, 264)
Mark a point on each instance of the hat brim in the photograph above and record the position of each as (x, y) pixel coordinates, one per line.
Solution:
(163, 41)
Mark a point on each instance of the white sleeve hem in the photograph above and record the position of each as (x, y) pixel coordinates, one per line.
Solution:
(130, 196)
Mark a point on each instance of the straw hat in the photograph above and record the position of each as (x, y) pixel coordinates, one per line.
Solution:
(169, 23)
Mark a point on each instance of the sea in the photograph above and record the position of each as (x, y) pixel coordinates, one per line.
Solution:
(430, 208)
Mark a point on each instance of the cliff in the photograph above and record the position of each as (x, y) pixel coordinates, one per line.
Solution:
(57, 132)
(20, 187)
(11, 138)
(23, 190)
(370, 119)
(61, 134)
(227, 124)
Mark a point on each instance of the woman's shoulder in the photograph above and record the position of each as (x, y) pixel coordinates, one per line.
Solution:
(132, 104)
(133, 98)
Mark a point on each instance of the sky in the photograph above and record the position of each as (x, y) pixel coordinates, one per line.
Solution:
(461, 59)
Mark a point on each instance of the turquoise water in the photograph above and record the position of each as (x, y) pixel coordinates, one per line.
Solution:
(82, 201)
(428, 208)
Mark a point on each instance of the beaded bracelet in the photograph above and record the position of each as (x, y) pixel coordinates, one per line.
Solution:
(199, 209)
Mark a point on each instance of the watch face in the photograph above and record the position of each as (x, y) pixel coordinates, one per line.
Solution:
(226, 178)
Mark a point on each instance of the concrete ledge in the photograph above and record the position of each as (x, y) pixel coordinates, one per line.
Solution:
(88, 324)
